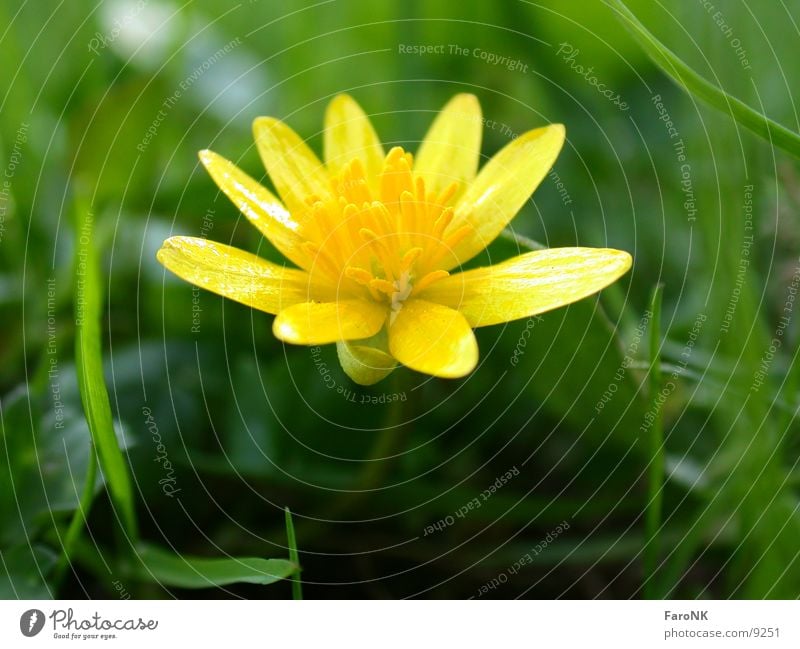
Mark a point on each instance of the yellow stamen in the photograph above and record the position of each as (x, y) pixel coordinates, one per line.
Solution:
(383, 286)
(447, 193)
(385, 238)
(358, 275)
(318, 257)
(427, 280)
(409, 259)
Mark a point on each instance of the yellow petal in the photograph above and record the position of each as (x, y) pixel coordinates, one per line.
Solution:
(237, 274)
(349, 135)
(529, 284)
(433, 339)
(294, 169)
(365, 365)
(319, 323)
(502, 187)
(258, 204)
(452, 146)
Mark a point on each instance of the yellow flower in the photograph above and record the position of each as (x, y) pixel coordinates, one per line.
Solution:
(376, 239)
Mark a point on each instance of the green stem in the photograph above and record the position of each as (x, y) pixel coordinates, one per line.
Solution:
(521, 240)
(385, 445)
(376, 466)
(694, 84)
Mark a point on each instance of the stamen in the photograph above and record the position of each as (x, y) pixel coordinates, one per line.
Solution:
(351, 221)
(381, 216)
(409, 212)
(383, 286)
(378, 247)
(357, 168)
(456, 237)
(402, 289)
(387, 240)
(440, 225)
(359, 275)
(363, 277)
(447, 193)
(351, 184)
(409, 259)
(317, 257)
(427, 280)
(394, 155)
(396, 176)
(448, 243)
(368, 235)
(420, 187)
(404, 178)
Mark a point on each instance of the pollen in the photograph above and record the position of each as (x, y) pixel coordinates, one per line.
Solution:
(387, 240)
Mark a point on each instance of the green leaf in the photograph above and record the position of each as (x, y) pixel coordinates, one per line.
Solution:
(169, 569)
(22, 570)
(89, 365)
(690, 81)
(43, 457)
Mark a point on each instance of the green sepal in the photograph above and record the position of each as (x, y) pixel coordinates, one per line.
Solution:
(365, 364)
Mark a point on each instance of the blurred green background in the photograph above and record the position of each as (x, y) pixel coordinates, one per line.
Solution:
(103, 110)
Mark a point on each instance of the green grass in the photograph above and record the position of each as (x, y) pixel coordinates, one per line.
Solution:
(88, 295)
(294, 556)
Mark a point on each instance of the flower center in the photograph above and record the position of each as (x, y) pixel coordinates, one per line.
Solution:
(388, 238)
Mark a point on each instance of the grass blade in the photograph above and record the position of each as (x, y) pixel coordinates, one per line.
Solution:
(294, 556)
(690, 81)
(170, 569)
(89, 367)
(655, 478)
(79, 518)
